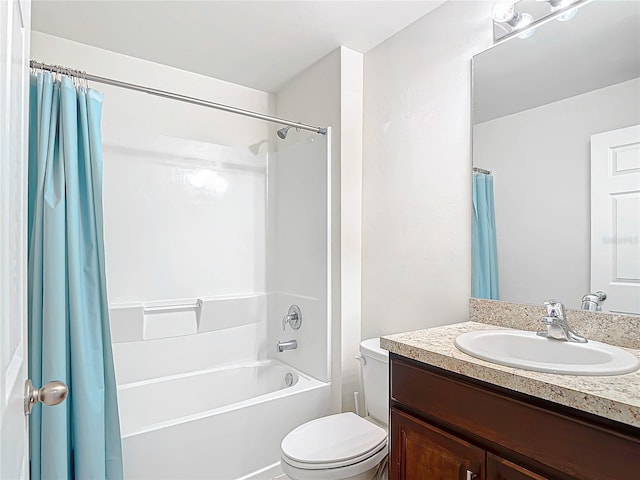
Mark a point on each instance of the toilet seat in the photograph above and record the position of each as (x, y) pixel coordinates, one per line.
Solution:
(333, 442)
(343, 463)
(365, 470)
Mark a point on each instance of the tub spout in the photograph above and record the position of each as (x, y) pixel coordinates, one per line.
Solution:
(288, 345)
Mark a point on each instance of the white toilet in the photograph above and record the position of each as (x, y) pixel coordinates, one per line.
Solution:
(345, 446)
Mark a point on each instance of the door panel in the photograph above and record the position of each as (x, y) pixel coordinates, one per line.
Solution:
(501, 469)
(422, 451)
(14, 95)
(615, 218)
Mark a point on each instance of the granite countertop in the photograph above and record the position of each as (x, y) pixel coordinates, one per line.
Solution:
(613, 397)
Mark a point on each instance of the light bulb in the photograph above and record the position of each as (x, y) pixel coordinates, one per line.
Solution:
(559, 4)
(525, 19)
(568, 15)
(528, 33)
(503, 11)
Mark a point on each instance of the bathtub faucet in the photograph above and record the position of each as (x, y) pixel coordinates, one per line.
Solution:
(288, 345)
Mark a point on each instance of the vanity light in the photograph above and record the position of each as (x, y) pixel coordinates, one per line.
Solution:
(505, 12)
(502, 12)
(521, 17)
(568, 15)
(527, 33)
(556, 5)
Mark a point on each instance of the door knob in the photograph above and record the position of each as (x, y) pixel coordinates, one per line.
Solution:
(52, 393)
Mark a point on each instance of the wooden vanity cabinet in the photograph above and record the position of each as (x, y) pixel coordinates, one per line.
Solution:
(501, 469)
(446, 426)
(425, 451)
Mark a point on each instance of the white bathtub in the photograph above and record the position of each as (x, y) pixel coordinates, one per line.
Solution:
(225, 423)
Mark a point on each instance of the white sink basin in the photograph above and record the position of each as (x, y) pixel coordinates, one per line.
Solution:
(526, 350)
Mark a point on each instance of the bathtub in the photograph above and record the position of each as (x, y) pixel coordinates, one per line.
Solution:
(224, 423)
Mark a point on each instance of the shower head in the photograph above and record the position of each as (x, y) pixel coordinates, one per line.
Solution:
(282, 133)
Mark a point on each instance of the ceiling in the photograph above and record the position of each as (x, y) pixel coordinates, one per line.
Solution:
(259, 44)
(599, 47)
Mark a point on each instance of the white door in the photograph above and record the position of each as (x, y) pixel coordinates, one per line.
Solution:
(14, 97)
(615, 218)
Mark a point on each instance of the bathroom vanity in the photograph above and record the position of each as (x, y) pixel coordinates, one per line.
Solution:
(457, 417)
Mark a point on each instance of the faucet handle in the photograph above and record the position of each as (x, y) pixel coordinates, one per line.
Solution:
(554, 308)
(293, 318)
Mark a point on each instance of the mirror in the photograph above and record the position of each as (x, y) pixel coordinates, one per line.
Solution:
(556, 122)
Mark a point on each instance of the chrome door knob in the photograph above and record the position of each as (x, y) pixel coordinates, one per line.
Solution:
(53, 393)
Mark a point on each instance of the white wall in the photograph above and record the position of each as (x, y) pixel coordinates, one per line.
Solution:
(125, 109)
(540, 159)
(329, 93)
(351, 124)
(185, 210)
(416, 175)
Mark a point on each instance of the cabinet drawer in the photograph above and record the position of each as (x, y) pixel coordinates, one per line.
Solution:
(500, 423)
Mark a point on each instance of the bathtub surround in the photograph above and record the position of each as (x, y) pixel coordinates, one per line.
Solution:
(69, 336)
(197, 216)
(297, 252)
(336, 82)
(155, 320)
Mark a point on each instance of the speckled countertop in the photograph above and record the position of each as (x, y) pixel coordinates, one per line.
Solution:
(613, 397)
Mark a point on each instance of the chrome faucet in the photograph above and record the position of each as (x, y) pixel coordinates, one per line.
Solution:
(288, 345)
(593, 301)
(556, 325)
(293, 318)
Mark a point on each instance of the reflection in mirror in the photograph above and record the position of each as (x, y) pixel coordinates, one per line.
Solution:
(556, 129)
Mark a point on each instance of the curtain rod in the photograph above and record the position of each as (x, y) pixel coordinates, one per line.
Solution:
(173, 96)
(481, 170)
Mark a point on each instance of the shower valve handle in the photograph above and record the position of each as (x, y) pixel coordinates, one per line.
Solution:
(293, 318)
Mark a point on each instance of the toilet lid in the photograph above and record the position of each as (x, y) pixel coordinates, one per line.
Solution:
(336, 439)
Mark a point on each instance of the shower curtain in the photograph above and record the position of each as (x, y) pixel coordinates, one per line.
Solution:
(69, 337)
(484, 250)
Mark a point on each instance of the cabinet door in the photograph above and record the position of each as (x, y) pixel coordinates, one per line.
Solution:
(501, 469)
(420, 451)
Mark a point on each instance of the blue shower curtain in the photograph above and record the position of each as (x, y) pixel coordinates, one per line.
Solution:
(484, 250)
(69, 337)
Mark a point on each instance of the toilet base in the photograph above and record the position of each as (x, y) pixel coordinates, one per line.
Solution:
(373, 468)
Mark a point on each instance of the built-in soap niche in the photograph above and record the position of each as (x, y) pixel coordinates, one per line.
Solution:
(175, 318)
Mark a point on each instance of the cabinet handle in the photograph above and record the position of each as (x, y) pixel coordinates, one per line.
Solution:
(471, 475)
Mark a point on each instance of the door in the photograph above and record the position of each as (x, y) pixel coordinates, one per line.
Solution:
(422, 451)
(615, 218)
(14, 91)
(501, 469)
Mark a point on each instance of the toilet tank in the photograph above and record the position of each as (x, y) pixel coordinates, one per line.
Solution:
(375, 378)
